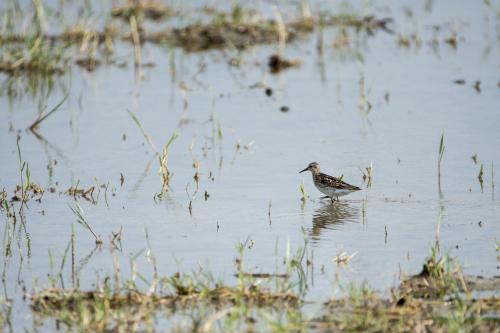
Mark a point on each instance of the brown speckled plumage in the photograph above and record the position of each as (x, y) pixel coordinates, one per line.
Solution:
(329, 185)
(322, 179)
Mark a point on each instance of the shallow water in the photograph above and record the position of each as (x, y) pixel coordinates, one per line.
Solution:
(390, 225)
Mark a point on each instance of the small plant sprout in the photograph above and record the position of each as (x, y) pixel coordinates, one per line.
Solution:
(368, 175)
(269, 213)
(164, 172)
(369, 172)
(435, 264)
(219, 131)
(492, 180)
(21, 169)
(480, 176)
(144, 133)
(42, 116)
(80, 218)
(28, 188)
(440, 156)
(303, 192)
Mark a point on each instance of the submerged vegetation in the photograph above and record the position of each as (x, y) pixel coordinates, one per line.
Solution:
(34, 52)
(438, 298)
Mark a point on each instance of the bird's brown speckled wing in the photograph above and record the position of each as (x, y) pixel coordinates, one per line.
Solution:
(335, 183)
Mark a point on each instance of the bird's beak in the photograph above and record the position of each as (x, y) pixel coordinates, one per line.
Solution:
(304, 170)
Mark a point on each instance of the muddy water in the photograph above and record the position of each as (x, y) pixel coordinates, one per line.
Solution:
(214, 107)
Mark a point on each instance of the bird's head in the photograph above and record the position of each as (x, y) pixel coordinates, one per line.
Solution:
(313, 167)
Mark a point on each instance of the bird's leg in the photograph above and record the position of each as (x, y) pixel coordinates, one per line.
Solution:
(337, 198)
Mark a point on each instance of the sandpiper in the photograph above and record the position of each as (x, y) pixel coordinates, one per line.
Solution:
(329, 185)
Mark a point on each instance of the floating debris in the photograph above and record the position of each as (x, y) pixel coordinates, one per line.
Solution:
(387, 97)
(30, 191)
(87, 194)
(249, 145)
(477, 86)
(474, 158)
(343, 258)
(452, 41)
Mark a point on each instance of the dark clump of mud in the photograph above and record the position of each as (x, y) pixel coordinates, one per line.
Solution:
(89, 63)
(366, 311)
(149, 9)
(27, 66)
(435, 282)
(241, 34)
(238, 35)
(278, 63)
(438, 299)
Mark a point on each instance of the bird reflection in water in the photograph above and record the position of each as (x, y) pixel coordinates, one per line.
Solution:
(330, 216)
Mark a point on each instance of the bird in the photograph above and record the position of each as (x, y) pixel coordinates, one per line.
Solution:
(330, 186)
